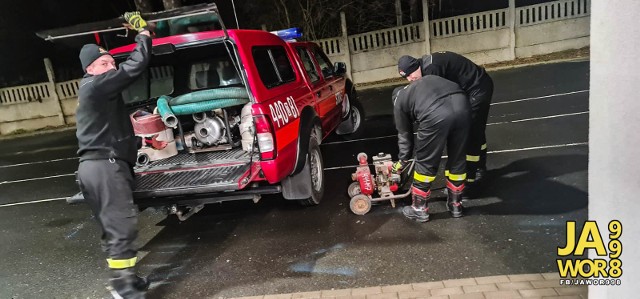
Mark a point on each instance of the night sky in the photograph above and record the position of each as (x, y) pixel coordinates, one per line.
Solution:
(22, 52)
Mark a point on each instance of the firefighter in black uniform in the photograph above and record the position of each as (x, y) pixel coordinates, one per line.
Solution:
(441, 110)
(478, 85)
(107, 150)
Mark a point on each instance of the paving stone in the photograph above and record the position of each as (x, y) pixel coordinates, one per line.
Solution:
(383, 296)
(492, 279)
(278, 296)
(307, 295)
(480, 288)
(397, 288)
(336, 293)
(552, 275)
(572, 290)
(447, 291)
(502, 295)
(538, 292)
(252, 297)
(413, 294)
(514, 285)
(366, 291)
(542, 284)
(467, 296)
(525, 277)
(428, 285)
(459, 282)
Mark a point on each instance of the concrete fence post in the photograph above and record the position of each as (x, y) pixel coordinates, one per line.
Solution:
(426, 26)
(345, 43)
(54, 91)
(264, 27)
(512, 29)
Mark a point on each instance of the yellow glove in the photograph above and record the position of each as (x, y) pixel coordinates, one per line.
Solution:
(136, 21)
(399, 166)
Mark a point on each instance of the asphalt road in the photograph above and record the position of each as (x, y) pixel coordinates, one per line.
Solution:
(538, 133)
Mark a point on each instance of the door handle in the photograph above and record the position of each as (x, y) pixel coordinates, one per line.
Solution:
(318, 93)
(331, 87)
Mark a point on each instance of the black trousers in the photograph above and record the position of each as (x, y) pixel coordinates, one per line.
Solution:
(448, 126)
(477, 145)
(107, 186)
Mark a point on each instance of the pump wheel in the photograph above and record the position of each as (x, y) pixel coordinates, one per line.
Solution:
(360, 204)
(354, 189)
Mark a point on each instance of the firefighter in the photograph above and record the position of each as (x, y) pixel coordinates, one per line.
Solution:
(107, 151)
(441, 110)
(478, 85)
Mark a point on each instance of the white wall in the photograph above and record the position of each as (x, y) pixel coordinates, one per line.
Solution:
(552, 37)
(614, 135)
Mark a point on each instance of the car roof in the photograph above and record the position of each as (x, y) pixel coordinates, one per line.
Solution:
(204, 36)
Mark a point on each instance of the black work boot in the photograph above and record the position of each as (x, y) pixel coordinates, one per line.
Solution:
(481, 174)
(454, 199)
(127, 285)
(419, 210)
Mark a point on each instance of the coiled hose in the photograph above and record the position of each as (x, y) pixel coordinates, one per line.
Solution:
(199, 101)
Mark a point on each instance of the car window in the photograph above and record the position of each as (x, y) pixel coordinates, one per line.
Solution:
(274, 66)
(307, 62)
(325, 64)
(160, 80)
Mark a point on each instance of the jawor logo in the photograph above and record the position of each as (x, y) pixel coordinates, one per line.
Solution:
(585, 271)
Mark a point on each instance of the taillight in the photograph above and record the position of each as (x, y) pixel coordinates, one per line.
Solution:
(264, 132)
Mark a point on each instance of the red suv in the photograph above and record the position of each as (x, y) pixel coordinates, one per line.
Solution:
(246, 112)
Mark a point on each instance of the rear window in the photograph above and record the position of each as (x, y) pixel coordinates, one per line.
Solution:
(274, 66)
(160, 79)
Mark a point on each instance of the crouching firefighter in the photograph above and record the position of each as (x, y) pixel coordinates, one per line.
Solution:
(107, 150)
(442, 113)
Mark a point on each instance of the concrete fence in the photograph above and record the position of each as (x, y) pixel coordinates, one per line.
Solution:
(484, 37)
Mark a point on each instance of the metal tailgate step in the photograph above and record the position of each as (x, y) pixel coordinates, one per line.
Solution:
(206, 179)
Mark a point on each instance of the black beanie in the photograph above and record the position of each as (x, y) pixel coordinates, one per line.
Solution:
(407, 65)
(89, 53)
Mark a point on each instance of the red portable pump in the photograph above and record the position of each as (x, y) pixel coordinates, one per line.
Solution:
(384, 182)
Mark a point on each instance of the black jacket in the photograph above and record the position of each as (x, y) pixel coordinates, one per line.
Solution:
(104, 129)
(419, 102)
(454, 67)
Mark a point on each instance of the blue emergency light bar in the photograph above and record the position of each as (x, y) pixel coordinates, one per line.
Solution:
(289, 34)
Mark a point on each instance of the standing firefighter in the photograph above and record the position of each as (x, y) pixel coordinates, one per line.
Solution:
(478, 85)
(107, 150)
(441, 110)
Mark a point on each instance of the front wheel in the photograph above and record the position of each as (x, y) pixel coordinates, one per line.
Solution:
(316, 171)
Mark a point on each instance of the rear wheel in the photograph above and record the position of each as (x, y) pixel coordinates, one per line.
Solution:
(316, 169)
(354, 189)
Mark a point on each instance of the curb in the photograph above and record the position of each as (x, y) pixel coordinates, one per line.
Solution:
(36, 133)
(538, 285)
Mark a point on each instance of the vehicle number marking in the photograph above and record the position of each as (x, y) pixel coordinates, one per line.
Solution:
(283, 112)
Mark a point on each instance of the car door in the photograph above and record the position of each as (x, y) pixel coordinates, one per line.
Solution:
(330, 95)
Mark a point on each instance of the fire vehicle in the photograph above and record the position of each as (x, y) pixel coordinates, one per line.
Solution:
(243, 112)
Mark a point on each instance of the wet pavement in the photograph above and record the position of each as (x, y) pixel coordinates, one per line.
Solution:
(537, 180)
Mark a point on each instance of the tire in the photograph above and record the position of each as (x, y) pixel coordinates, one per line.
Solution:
(354, 189)
(360, 204)
(316, 169)
(356, 115)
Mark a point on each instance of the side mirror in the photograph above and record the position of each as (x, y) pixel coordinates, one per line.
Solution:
(340, 68)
